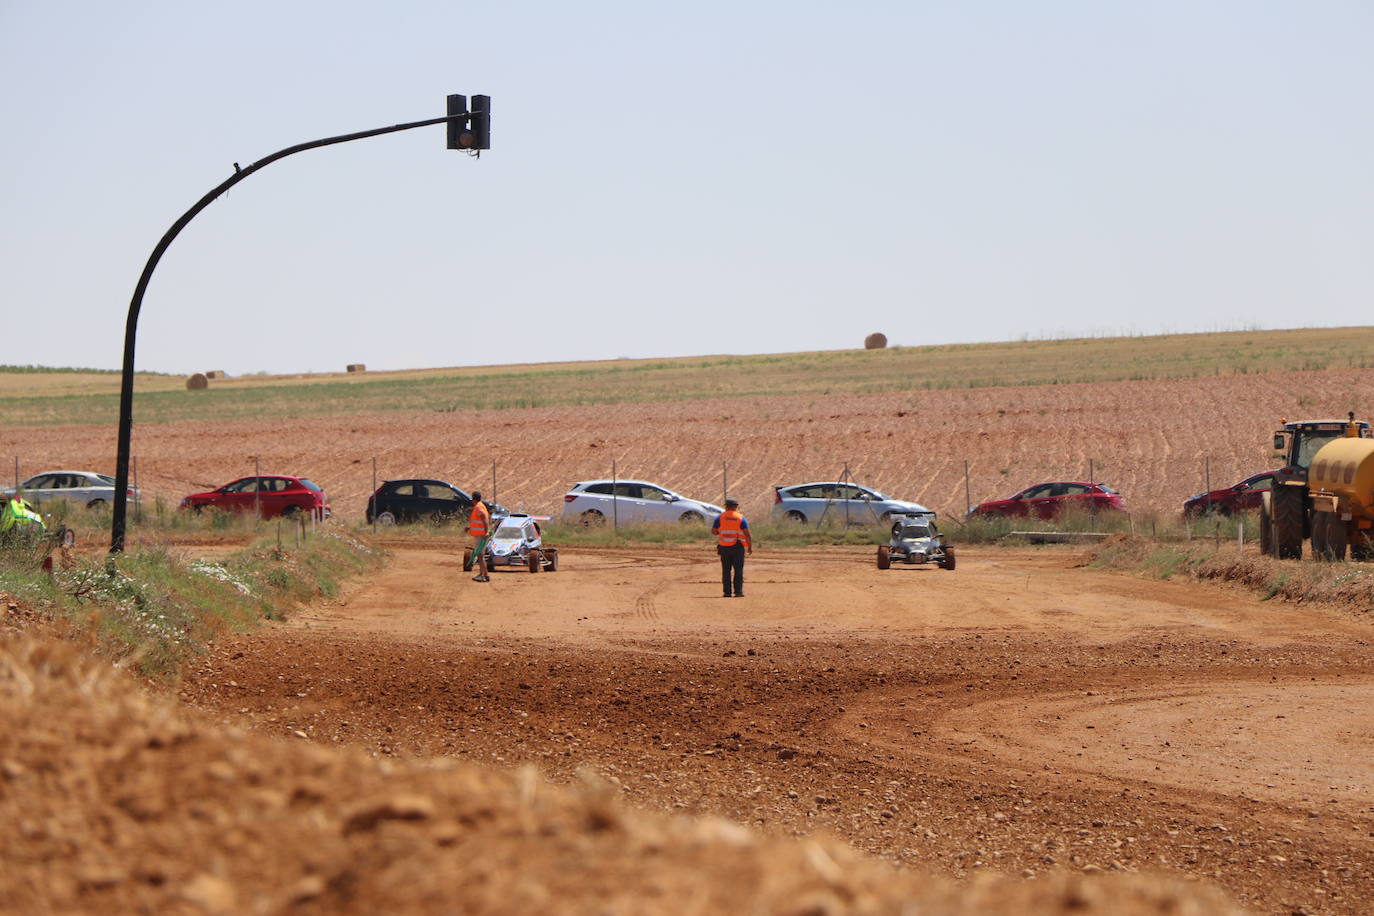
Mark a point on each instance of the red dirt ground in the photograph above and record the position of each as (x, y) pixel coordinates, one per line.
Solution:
(1019, 715)
(1149, 439)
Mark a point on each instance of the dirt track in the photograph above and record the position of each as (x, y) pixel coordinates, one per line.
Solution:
(1019, 714)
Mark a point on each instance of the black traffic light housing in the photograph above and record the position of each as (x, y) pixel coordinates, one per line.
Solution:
(469, 129)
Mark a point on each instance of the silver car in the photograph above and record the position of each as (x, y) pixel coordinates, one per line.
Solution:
(85, 488)
(841, 503)
(596, 502)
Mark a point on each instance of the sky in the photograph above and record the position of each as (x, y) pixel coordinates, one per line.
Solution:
(677, 179)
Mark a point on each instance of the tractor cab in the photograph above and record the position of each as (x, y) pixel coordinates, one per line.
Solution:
(1299, 441)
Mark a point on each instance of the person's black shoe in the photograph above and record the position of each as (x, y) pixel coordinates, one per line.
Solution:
(726, 595)
(739, 594)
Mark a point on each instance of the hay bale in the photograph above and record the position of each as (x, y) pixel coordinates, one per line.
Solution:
(356, 367)
(217, 373)
(197, 382)
(875, 341)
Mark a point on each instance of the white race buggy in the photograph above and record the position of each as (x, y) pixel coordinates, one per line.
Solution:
(517, 541)
(915, 540)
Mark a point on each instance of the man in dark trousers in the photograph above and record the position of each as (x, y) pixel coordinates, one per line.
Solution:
(731, 529)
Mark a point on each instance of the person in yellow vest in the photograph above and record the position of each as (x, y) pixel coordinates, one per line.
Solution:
(479, 526)
(18, 519)
(733, 540)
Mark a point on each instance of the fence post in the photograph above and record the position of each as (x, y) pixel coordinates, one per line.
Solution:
(615, 505)
(374, 494)
(138, 503)
(968, 498)
(725, 480)
(493, 480)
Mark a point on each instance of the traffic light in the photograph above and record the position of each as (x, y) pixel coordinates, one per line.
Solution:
(481, 122)
(459, 134)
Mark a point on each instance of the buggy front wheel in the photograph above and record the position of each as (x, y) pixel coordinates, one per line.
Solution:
(948, 561)
(884, 558)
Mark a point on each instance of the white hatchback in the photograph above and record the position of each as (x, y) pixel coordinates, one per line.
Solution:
(85, 488)
(596, 502)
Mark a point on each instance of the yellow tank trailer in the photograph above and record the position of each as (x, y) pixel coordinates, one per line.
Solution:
(1340, 484)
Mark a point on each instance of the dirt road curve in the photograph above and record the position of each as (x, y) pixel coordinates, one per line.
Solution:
(1019, 714)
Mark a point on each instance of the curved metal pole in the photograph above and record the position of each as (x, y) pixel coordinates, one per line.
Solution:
(126, 384)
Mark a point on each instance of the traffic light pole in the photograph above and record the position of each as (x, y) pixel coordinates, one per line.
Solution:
(126, 382)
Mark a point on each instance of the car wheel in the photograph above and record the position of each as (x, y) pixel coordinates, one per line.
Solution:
(96, 504)
(795, 517)
(291, 512)
(884, 557)
(592, 518)
(688, 518)
(386, 519)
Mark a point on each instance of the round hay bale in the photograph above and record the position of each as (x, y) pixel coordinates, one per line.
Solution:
(357, 367)
(875, 341)
(197, 382)
(217, 373)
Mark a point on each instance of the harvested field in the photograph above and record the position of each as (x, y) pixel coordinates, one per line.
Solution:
(1149, 439)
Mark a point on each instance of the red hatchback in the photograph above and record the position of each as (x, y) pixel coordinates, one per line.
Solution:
(1050, 500)
(1241, 497)
(272, 496)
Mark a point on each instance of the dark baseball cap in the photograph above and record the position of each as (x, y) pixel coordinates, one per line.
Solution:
(732, 501)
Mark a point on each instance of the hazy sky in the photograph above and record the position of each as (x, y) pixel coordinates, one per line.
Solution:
(678, 179)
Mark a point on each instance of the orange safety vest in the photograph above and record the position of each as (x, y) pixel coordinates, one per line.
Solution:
(731, 530)
(479, 521)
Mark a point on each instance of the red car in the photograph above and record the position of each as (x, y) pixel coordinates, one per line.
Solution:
(273, 496)
(1241, 497)
(1050, 500)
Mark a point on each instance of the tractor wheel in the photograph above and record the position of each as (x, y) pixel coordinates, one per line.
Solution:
(1361, 545)
(1337, 537)
(884, 558)
(533, 561)
(1321, 528)
(1266, 533)
(1288, 518)
(467, 559)
(948, 562)
(552, 554)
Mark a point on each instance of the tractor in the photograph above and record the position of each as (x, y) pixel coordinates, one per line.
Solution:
(1325, 490)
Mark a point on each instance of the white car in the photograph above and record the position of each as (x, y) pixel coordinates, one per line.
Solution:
(85, 488)
(596, 502)
(839, 502)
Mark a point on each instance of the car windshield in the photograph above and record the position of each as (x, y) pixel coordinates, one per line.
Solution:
(877, 495)
(511, 530)
(311, 485)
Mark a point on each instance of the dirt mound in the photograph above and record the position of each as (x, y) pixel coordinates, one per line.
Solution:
(117, 801)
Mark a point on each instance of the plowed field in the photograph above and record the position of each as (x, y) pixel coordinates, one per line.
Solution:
(1150, 439)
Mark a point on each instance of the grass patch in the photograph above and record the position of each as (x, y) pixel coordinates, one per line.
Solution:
(1347, 584)
(155, 609)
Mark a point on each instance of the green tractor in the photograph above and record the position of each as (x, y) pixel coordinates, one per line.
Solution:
(1286, 514)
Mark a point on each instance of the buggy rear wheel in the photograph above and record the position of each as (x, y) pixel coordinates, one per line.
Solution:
(948, 561)
(552, 555)
(884, 557)
(467, 559)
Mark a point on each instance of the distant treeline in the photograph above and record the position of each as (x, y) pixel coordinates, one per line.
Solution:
(5, 368)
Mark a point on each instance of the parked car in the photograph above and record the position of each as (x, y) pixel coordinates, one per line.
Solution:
(594, 502)
(413, 499)
(1051, 500)
(517, 541)
(84, 487)
(273, 496)
(837, 501)
(1240, 497)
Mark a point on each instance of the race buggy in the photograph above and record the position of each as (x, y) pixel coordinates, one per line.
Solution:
(915, 540)
(517, 541)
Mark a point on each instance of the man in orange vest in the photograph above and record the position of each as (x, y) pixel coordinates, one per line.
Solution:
(479, 526)
(731, 529)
